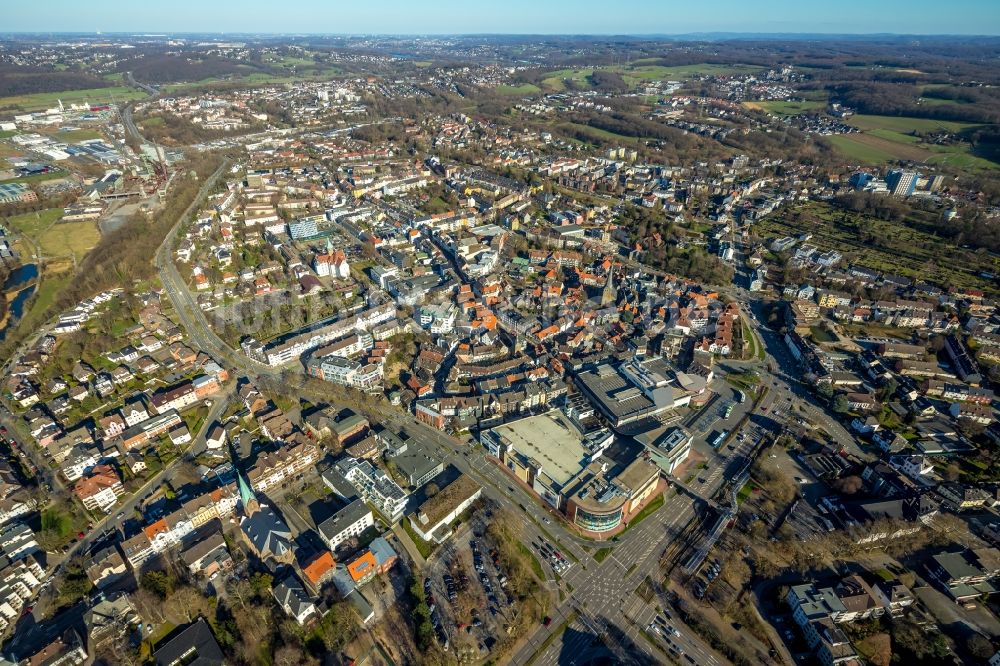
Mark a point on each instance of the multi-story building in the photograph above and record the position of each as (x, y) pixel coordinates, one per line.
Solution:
(100, 489)
(966, 574)
(350, 521)
(902, 183)
(272, 468)
(375, 486)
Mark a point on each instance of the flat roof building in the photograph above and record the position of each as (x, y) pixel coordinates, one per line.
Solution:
(602, 498)
(637, 389)
(667, 448)
(432, 519)
(545, 451)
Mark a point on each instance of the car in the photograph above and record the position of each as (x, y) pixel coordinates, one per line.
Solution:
(546, 621)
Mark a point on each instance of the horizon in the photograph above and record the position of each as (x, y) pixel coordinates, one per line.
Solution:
(665, 18)
(609, 35)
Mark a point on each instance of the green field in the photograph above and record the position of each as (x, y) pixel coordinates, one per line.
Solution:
(888, 138)
(936, 101)
(959, 157)
(56, 240)
(556, 80)
(906, 125)
(854, 149)
(38, 178)
(73, 136)
(523, 89)
(681, 72)
(250, 80)
(892, 135)
(41, 101)
(31, 223)
(786, 107)
(637, 73)
(598, 133)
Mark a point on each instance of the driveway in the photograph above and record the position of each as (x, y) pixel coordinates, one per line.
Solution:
(949, 613)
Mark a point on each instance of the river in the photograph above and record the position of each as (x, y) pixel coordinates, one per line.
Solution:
(21, 276)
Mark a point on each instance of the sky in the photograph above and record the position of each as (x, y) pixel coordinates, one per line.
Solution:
(622, 17)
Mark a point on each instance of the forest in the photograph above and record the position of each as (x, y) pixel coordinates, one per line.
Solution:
(17, 80)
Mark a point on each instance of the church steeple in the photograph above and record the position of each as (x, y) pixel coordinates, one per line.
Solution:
(609, 296)
(247, 496)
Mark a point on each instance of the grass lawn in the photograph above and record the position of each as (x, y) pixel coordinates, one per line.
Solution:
(30, 224)
(749, 337)
(820, 334)
(523, 89)
(744, 493)
(47, 293)
(73, 136)
(56, 239)
(40, 101)
(424, 548)
(646, 512)
(536, 566)
(602, 554)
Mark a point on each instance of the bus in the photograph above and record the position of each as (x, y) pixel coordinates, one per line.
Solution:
(729, 410)
(740, 396)
(719, 439)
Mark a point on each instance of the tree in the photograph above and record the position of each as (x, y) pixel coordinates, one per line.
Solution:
(848, 485)
(431, 490)
(877, 648)
(887, 389)
(159, 583)
(979, 646)
(840, 404)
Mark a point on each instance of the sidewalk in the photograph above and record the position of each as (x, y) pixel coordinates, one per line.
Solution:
(408, 544)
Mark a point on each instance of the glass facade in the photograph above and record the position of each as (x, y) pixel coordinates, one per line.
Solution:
(597, 522)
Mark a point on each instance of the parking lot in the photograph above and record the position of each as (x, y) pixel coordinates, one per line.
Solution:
(466, 591)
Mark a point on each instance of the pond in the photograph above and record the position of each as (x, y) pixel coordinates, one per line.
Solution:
(22, 275)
